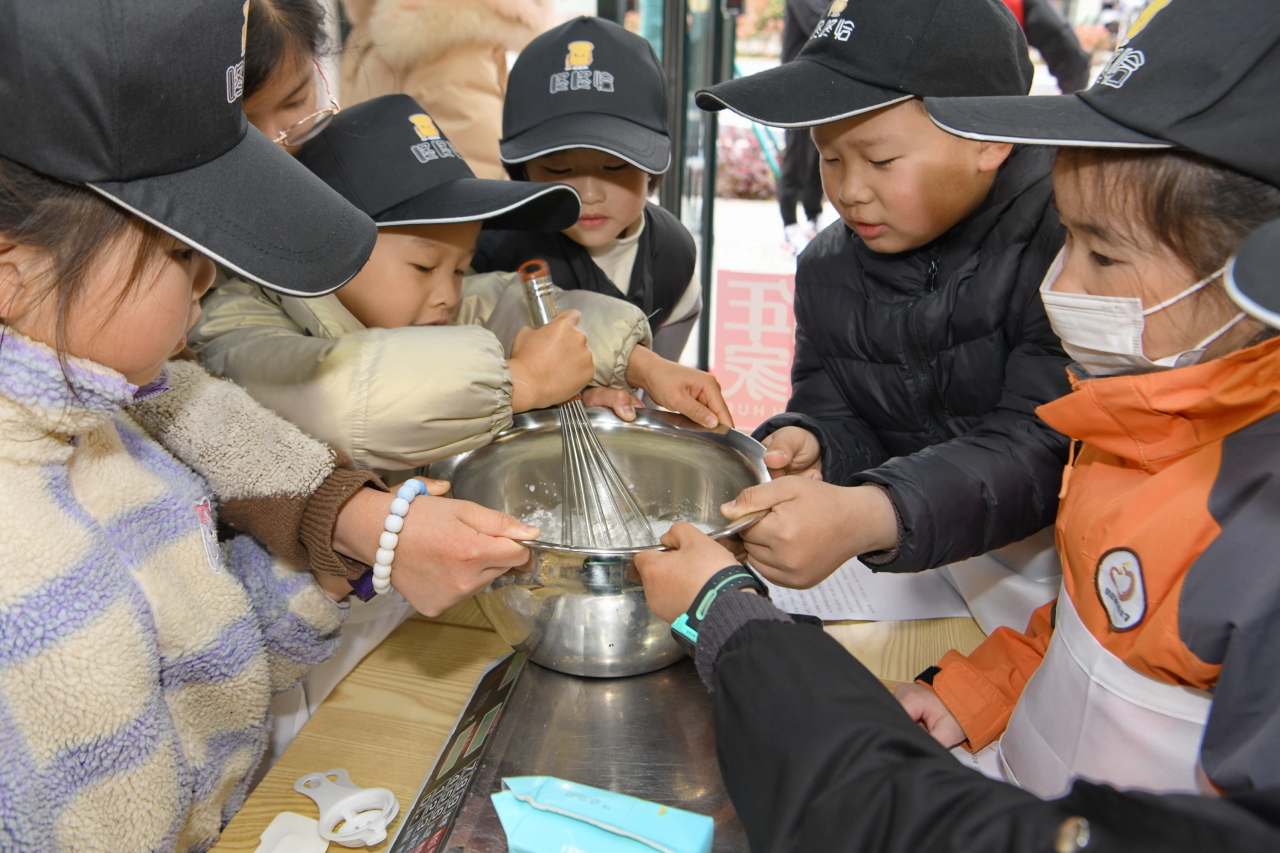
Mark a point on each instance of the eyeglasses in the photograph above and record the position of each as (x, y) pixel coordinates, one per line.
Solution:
(310, 126)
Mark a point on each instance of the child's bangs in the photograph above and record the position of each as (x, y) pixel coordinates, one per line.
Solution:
(1201, 211)
(278, 32)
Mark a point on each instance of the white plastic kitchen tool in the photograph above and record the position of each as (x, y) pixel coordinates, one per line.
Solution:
(349, 815)
(292, 833)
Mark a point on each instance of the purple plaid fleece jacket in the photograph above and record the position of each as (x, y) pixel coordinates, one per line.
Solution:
(137, 654)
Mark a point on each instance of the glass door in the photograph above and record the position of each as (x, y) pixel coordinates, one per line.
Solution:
(696, 49)
(694, 41)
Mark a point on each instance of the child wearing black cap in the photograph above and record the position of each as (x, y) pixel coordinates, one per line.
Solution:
(412, 361)
(922, 348)
(359, 370)
(1156, 668)
(586, 105)
(145, 646)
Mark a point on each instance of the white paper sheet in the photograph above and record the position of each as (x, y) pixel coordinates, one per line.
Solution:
(856, 592)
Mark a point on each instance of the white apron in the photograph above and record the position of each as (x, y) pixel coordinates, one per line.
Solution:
(1005, 586)
(1087, 714)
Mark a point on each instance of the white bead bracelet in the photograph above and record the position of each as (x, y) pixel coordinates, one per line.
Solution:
(390, 537)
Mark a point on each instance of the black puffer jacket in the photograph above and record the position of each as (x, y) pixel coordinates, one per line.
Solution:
(922, 371)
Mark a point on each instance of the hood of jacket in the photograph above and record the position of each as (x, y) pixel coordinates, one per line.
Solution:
(1154, 419)
(407, 32)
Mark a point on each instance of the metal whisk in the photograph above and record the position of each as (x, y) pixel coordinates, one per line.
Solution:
(596, 510)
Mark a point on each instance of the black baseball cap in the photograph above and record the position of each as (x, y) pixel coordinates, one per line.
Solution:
(1199, 76)
(388, 157)
(1251, 275)
(141, 102)
(868, 54)
(588, 83)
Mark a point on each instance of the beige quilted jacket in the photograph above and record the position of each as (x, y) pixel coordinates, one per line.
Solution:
(394, 399)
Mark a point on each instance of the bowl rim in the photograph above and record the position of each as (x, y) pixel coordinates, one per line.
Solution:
(751, 451)
(556, 548)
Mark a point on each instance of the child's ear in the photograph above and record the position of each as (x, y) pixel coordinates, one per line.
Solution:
(11, 257)
(991, 155)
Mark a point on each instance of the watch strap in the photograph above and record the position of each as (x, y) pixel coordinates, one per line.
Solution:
(685, 628)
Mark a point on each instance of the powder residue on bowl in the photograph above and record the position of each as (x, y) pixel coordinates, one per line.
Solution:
(548, 522)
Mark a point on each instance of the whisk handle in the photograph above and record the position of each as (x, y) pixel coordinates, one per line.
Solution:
(536, 278)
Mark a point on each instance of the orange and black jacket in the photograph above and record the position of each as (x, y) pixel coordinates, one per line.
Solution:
(1179, 471)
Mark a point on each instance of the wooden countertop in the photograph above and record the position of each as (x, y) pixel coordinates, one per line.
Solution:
(386, 721)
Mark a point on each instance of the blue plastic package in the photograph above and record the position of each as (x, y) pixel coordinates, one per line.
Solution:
(543, 814)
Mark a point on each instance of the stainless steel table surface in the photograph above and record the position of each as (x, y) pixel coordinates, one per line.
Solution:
(387, 721)
(648, 736)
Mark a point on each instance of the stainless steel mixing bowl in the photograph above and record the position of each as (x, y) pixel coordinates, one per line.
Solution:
(582, 611)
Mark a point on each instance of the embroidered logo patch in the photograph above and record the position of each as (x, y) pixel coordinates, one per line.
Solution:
(208, 534)
(1126, 60)
(577, 74)
(424, 126)
(235, 73)
(834, 26)
(1121, 67)
(433, 147)
(579, 55)
(1120, 588)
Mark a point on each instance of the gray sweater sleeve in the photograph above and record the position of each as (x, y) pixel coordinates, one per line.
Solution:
(728, 614)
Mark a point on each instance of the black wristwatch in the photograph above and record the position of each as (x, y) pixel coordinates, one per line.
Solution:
(685, 628)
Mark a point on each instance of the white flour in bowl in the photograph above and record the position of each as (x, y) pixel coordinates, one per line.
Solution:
(548, 523)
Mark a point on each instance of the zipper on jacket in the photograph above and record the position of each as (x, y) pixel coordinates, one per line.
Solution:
(931, 281)
(916, 359)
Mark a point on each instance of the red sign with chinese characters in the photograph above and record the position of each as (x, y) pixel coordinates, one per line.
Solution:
(754, 343)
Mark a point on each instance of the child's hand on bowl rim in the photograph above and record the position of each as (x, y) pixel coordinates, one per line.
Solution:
(672, 579)
(623, 403)
(693, 393)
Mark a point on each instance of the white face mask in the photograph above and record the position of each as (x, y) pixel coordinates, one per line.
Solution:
(1104, 333)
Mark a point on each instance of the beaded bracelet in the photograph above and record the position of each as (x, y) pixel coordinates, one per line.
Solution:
(390, 537)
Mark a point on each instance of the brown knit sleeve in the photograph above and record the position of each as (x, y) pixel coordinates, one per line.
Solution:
(270, 479)
(299, 529)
